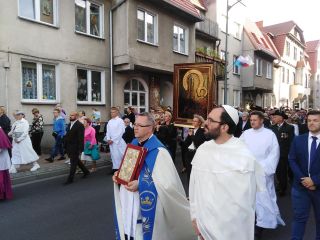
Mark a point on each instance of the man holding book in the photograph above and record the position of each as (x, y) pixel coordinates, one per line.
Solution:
(155, 205)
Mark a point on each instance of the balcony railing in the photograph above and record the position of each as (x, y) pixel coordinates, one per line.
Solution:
(219, 64)
(208, 27)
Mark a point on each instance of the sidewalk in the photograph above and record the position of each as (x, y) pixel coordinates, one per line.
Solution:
(54, 169)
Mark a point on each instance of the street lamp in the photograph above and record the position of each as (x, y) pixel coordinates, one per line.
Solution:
(226, 50)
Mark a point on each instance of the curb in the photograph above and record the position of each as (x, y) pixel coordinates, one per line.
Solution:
(49, 172)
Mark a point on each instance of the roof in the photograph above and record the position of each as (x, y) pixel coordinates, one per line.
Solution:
(280, 28)
(312, 46)
(186, 6)
(200, 4)
(259, 40)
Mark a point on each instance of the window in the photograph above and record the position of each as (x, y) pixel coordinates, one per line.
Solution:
(135, 94)
(295, 53)
(258, 67)
(89, 18)
(306, 80)
(283, 75)
(288, 48)
(294, 78)
(236, 69)
(180, 40)
(288, 76)
(39, 82)
(147, 27)
(223, 23)
(44, 11)
(91, 87)
(269, 71)
(236, 98)
(237, 30)
(222, 55)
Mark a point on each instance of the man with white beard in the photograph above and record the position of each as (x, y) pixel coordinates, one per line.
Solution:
(263, 144)
(224, 179)
(115, 130)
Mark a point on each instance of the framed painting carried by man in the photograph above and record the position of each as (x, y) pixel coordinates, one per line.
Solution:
(194, 91)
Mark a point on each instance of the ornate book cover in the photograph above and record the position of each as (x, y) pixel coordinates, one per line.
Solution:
(131, 164)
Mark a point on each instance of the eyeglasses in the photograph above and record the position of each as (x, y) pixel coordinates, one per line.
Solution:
(140, 125)
(210, 120)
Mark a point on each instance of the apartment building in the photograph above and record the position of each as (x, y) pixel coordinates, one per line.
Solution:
(292, 75)
(313, 51)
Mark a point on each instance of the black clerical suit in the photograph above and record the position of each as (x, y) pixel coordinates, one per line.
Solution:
(197, 139)
(128, 135)
(167, 134)
(74, 145)
(285, 135)
(240, 128)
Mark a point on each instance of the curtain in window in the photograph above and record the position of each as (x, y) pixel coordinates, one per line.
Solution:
(48, 82)
(80, 15)
(82, 93)
(94, 20)
(29, 80)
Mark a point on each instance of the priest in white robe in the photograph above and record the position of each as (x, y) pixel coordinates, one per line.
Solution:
(224, 179)
(22, 150)
(263, 144)
(154, 206)
(117, 145)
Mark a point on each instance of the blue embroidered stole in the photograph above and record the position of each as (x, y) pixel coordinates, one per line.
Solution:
(147, 190)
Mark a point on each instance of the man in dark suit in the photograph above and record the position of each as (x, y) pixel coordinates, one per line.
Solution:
(194, 139)
(285, 135)
(304, 159)
(128, 135)
(243, 124)
(74, 145)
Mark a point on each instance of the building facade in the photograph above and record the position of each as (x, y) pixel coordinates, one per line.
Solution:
(257, 80)
(54, 52)
(292, 75)
(313, 51)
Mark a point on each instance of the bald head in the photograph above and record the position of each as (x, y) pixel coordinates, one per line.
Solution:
(73, 116)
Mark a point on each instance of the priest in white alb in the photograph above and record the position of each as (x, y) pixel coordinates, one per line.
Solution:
(263, 144)
(115, 130)
(224, 179)
(154, 206)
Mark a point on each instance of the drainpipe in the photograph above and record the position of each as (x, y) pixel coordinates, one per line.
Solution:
(111, 47)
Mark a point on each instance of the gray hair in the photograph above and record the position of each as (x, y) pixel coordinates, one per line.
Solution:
(149, 116)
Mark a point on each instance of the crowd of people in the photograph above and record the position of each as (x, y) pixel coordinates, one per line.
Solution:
(237, 163)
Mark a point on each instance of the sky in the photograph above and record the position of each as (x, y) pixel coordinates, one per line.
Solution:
(306, 13)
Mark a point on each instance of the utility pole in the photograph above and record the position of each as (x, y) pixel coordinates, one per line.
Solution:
(226, 51)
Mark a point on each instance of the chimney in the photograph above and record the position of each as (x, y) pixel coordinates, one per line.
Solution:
(260, 24)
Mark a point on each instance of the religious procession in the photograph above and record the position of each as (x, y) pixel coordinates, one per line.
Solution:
(237, 164)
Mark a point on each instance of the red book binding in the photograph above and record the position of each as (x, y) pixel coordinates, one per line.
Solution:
(131, 164)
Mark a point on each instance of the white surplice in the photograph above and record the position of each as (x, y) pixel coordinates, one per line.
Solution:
(5, 162)
(264, 146)
(172, 218)
(22, 152)
(115, 130)
(223, 185)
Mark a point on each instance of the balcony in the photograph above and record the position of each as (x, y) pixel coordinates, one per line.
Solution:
(201, 57)
(208, 28)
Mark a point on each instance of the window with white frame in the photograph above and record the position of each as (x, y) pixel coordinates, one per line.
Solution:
(283, 74)
(295, 53)
(222, 55)
(39, 82)
(236, 98)
(236, 69)
(147, 26)
(180, 39)
(91, 86)
(135, 94)
(288, 48)
(269, 70)
(258, 66)
(288, 76)
(89, 18)
(44, 11)
(237, 30)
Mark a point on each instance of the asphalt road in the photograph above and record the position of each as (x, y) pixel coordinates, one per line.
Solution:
(48, 210)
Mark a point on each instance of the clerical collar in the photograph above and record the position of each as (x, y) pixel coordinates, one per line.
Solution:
(140, 144)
